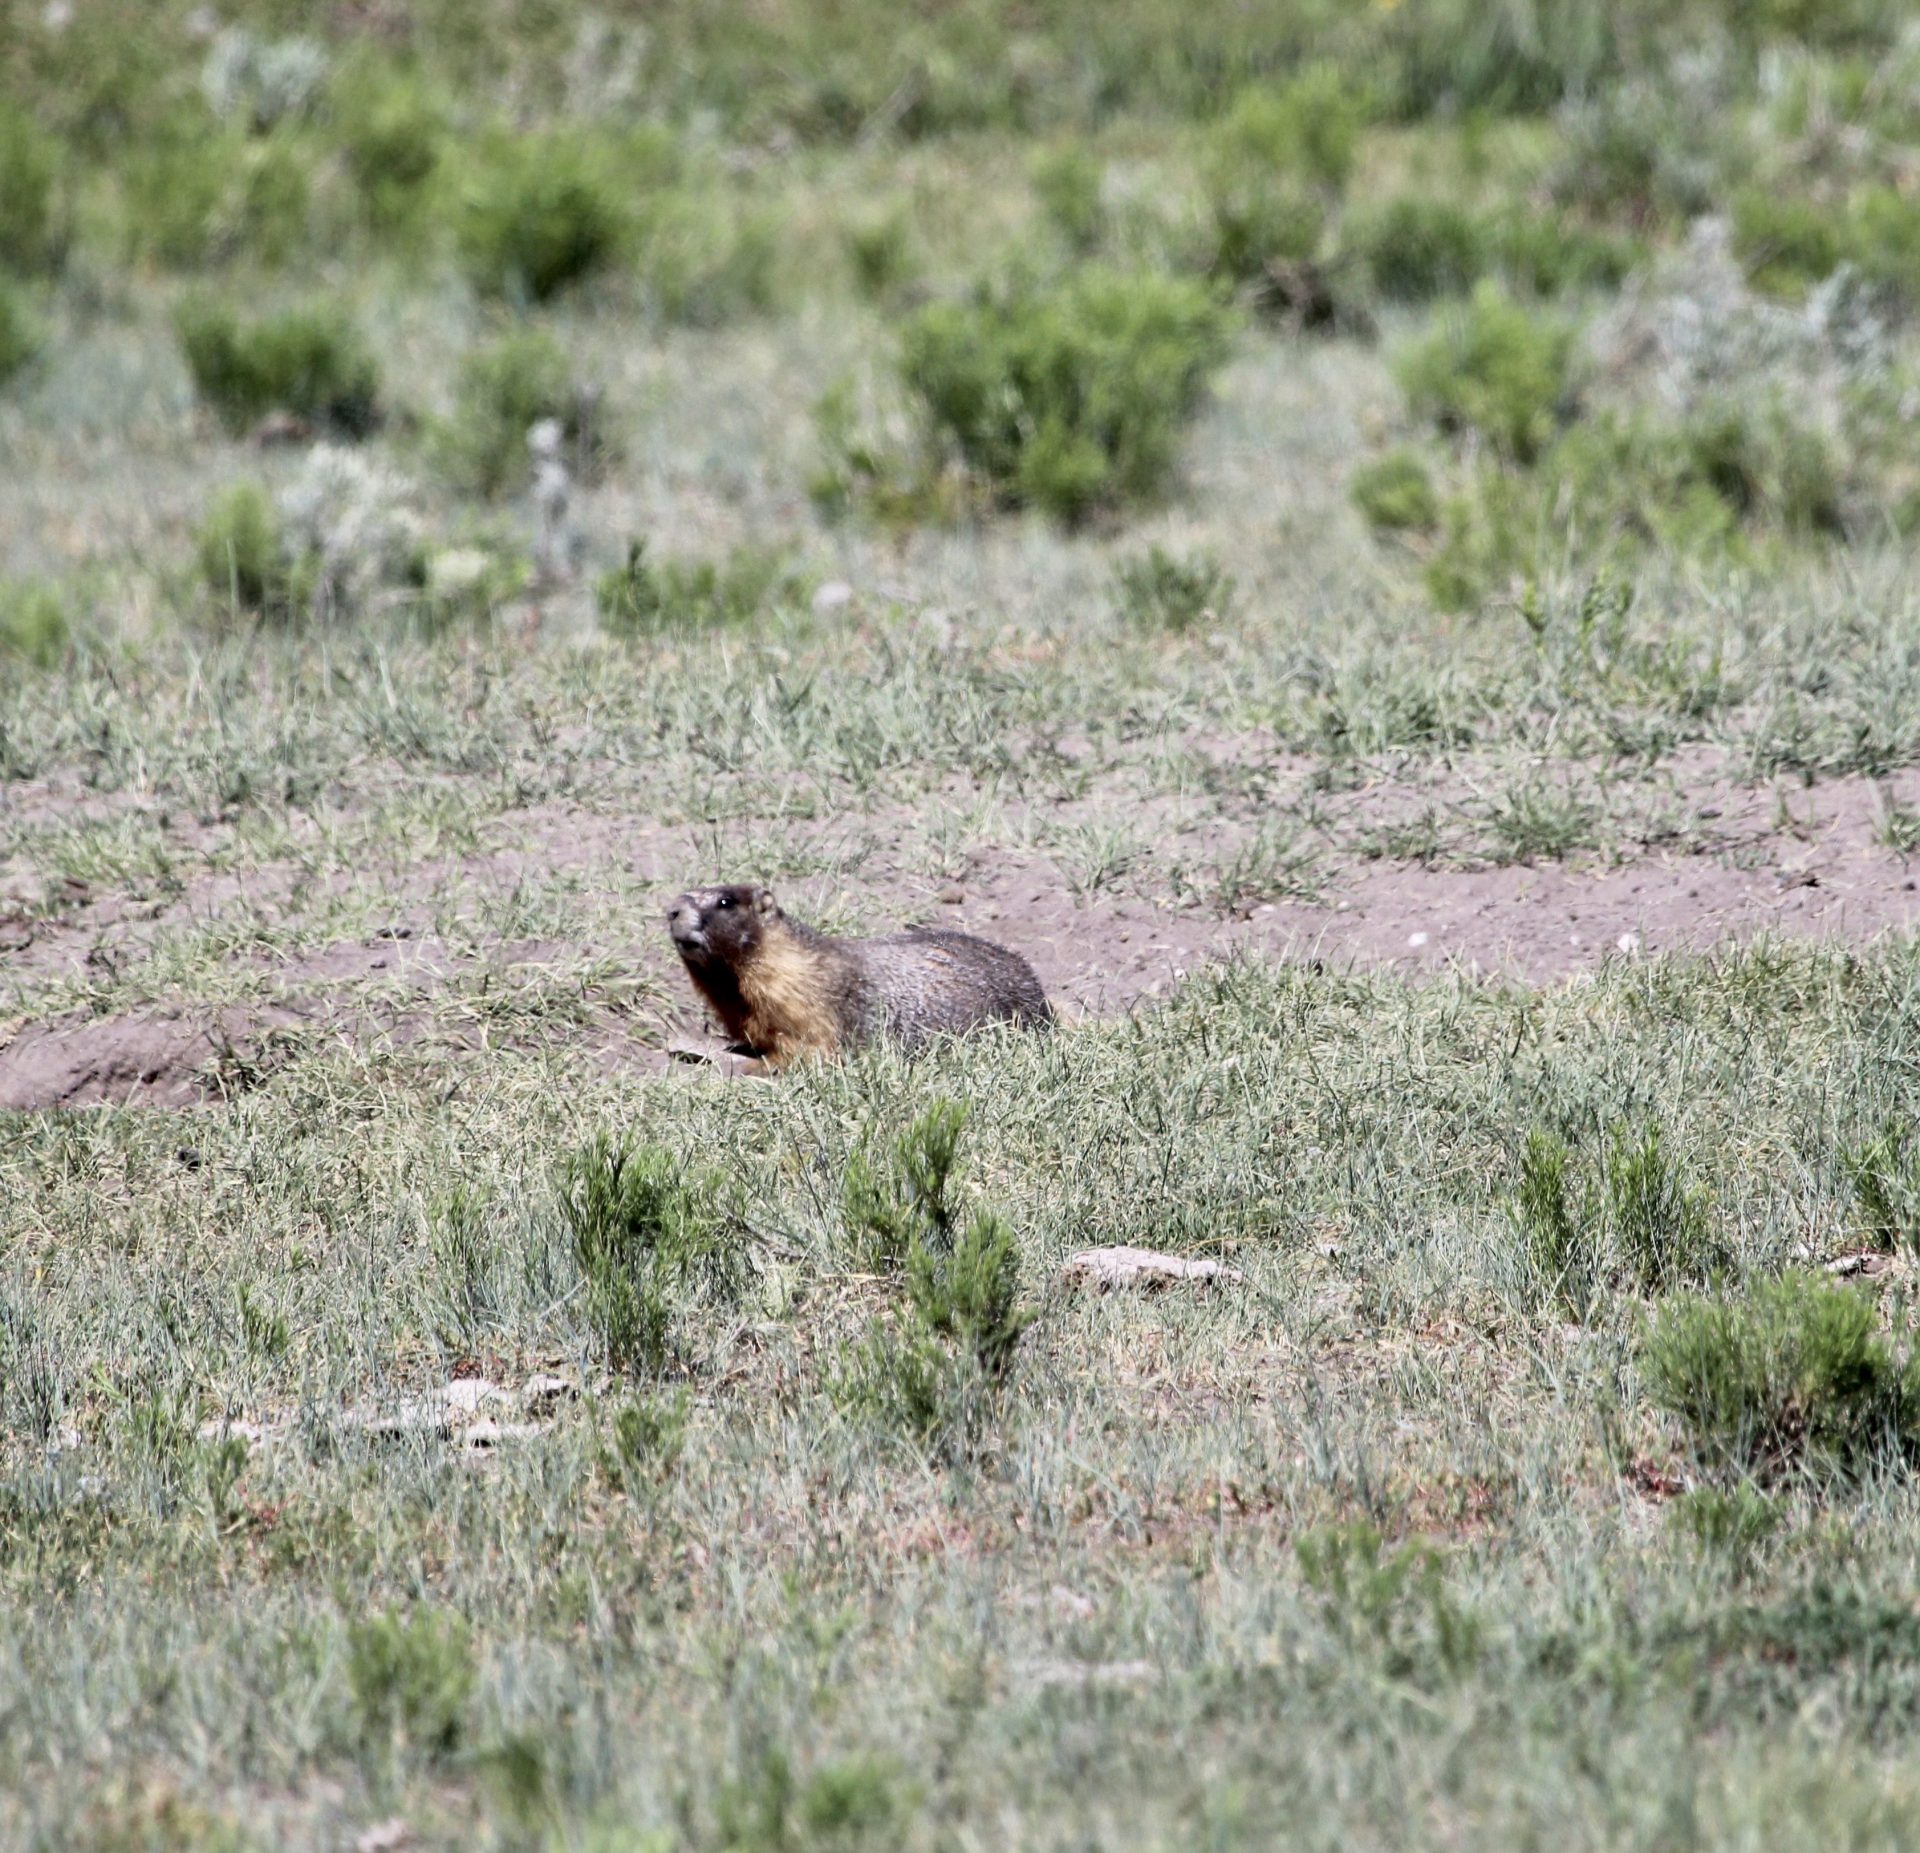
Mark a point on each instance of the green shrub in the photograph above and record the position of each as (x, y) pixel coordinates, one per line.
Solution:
(505, 388)
(935, 1370)
(1728, 1523)
(1544, 255)
(881, 252)
(1168, 592)
(1271, 170)
(1637, 152)
(649, 1237)
(392, 135)
(969, 1294)
(842, 1807)
(1309, 127)
(1067, 183)
(1490, 532)
(175, 189)
(33, 236)
(1393, 1603)
(1763, 465)
(309, 361)
(1560, 1259)
(1635, 1220)
(1493, 368)
(1657, 1217)
(1794, 1376)
(1715, 482)
(645, 1439)
(198, 195)
(648, 597)
(540, 214)
(269, 205)
(704, 263)
(1066, 398)
(1883, 238)
(1786, 243)
(899, 1199)
(1416, 249)
(34, 626)
(243, 559)
(1396, 495)
(412, 1675)
(20, 336)
(1260, 229)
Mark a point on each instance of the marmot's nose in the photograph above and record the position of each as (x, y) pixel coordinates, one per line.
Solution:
(683, 917)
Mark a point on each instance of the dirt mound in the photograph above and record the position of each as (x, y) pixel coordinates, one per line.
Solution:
(162, 1060)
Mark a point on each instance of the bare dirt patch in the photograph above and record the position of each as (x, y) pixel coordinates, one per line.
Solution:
(155, 1060)
(1805, 863)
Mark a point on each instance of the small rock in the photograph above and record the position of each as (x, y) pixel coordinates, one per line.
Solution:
(220, 1427)
(468, 1395)
(540, 1390)
(951, 895)
(279, 429)
(1868, 1265)
(488, 1433)
(1417, 940)
(1629, 943)
(1145, 1268)
(835, 595)
(391, 1836)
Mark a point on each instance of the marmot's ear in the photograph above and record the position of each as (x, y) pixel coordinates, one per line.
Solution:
(764, 904)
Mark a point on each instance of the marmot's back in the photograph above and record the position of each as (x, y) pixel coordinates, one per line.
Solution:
(784, 989)
(916, 985)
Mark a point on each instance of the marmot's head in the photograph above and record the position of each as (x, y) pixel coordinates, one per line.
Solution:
(721, 926)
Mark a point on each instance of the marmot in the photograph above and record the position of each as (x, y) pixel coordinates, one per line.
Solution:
(785, 990)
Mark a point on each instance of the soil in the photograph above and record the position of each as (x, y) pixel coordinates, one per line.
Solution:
(1806, 864)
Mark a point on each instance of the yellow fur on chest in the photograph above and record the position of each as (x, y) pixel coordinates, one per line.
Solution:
(789, 1011)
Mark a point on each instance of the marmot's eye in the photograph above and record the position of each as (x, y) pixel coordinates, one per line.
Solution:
(726, 900)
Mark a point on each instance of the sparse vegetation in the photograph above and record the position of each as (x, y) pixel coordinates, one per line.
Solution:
(310, 362)
(540, 214)
(243, 554)
(648, 1237)
(935, 1369)
(1070, 398)
(1791, 1378)
(1496, 371)
(647, 597)
(506, 387)
(19, 332)
(1173, 592)
(34, 625)
(1372, 542)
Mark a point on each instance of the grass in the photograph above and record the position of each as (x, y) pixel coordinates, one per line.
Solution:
(1533, 1488)
(1436, 1565)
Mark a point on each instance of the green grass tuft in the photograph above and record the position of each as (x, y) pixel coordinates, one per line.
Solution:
(310, 361)
(1791, 1378)
(1070, 397)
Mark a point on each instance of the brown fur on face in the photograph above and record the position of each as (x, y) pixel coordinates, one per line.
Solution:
(749, 962)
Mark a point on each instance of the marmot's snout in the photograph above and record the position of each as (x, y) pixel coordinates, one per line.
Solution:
(685, 924)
